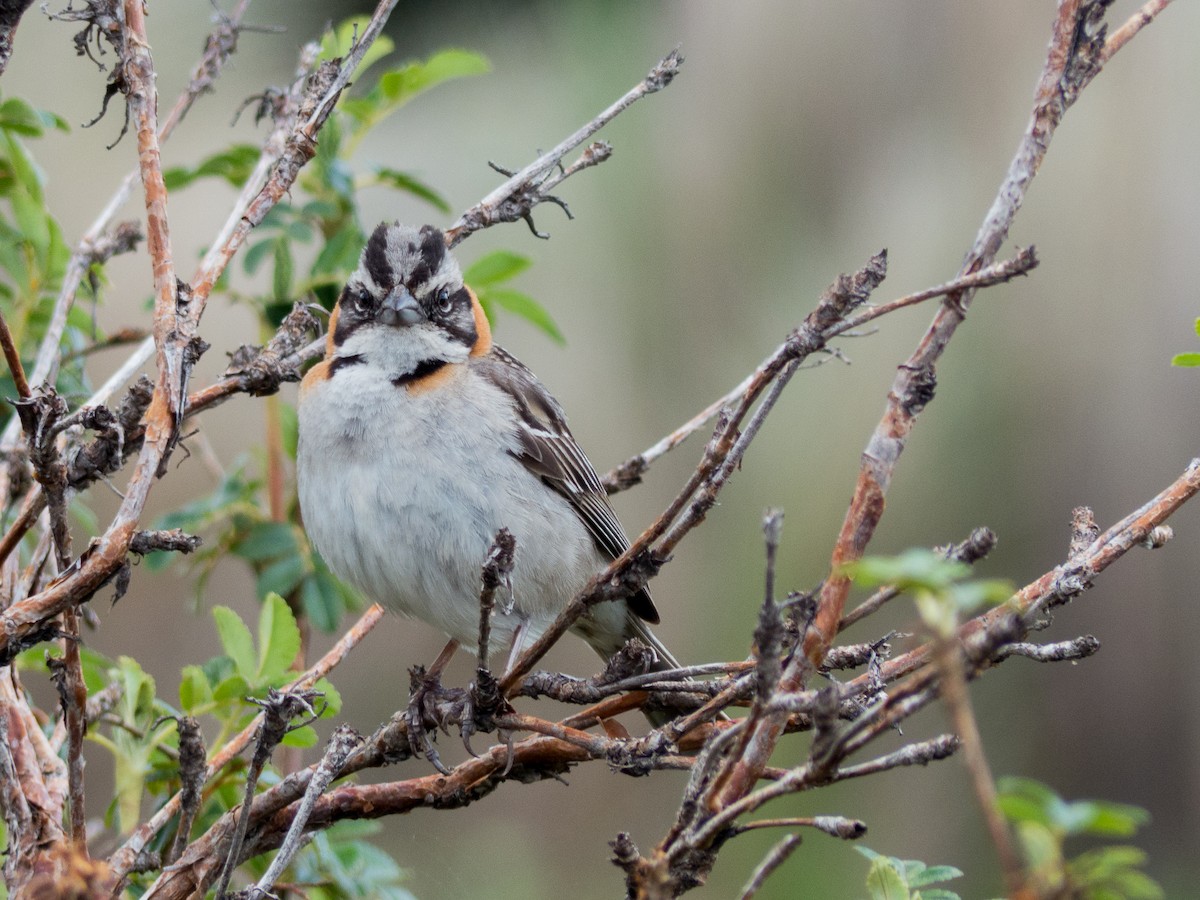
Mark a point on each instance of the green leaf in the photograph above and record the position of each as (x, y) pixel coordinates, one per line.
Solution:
(267, 540)
(527, 308)
(1023, 809)
(333, 698)
(235, 640)
(403, 181)
(341, 40)
(281, 283)
(397, 87)
(932, 875)
(289, 427)
(1099, 817)
(322, 603)
(304, 736)
(255, 255)
(232, 688)
(282, 576)
(884, 882)
(1196, 325)
(1186, 360)
(137, 691)
(1042, 849)
(279, 639)
(495, 267)
(25, 171)
(915, 568)
(936, 894)
(234, 165)
(18, 116)
(194, 690)
(340, 253)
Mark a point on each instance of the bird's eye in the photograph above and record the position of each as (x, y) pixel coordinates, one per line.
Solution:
(362, 299)
(443, 301)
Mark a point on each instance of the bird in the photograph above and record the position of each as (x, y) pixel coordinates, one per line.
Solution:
(419, 438)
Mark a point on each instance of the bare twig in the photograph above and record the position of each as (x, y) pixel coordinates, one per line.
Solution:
(279, 708)
(342, 742)
(958, 701)
(630, 471)
(13, 357)
(775, 858)
(1132, 26)
(192, 756)
(516, 198)
(1072, 60)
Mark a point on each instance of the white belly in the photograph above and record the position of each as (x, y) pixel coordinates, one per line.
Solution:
(404, 506)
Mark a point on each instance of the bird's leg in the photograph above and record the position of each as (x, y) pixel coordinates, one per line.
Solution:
(443, 659)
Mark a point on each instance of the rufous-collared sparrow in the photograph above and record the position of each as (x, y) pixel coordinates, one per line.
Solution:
(419, 439)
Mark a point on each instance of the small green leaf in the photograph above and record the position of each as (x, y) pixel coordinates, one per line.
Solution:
(885, 883)
(234, 165)
(304, 736)
(267, 540)
(232, 688)
(25, 171)
(255, 255)
(397, 87)
(321, 601)
(495, 267)
(235, 640)
(936, 894)
(18, 116)
(527, 308)
(1196, 325)
(341, 40)
(1187, 360)
(340, 253)
(279, 639)
(932, 875)
(915, 568)
(281, 283)
(194, 690)
(282, 576)
(1100, 817)
(333, 698)
(403, 181)
(289, 427)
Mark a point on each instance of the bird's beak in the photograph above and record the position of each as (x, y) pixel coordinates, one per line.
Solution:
(400, 308)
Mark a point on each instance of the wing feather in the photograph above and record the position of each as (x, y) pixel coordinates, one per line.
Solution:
(550, 451)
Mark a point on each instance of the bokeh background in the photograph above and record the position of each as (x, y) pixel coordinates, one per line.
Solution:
(800, 138)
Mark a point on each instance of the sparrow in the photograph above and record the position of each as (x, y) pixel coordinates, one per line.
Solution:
(419, 438)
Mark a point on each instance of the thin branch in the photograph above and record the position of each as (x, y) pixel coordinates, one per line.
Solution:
(279, 708)
(777, 856)
(629, 473)
(13, 357)
(1071, 61)
(344, 740)
(516, 198)
(1132, 26)
(1062, 651)
(958, 701)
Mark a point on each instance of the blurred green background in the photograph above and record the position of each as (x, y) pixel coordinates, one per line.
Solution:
(800, 138)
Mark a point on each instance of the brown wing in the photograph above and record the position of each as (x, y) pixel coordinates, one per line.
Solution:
(550, 451)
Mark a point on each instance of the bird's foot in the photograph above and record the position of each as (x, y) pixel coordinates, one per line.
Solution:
(430, 707)
(483, 703)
